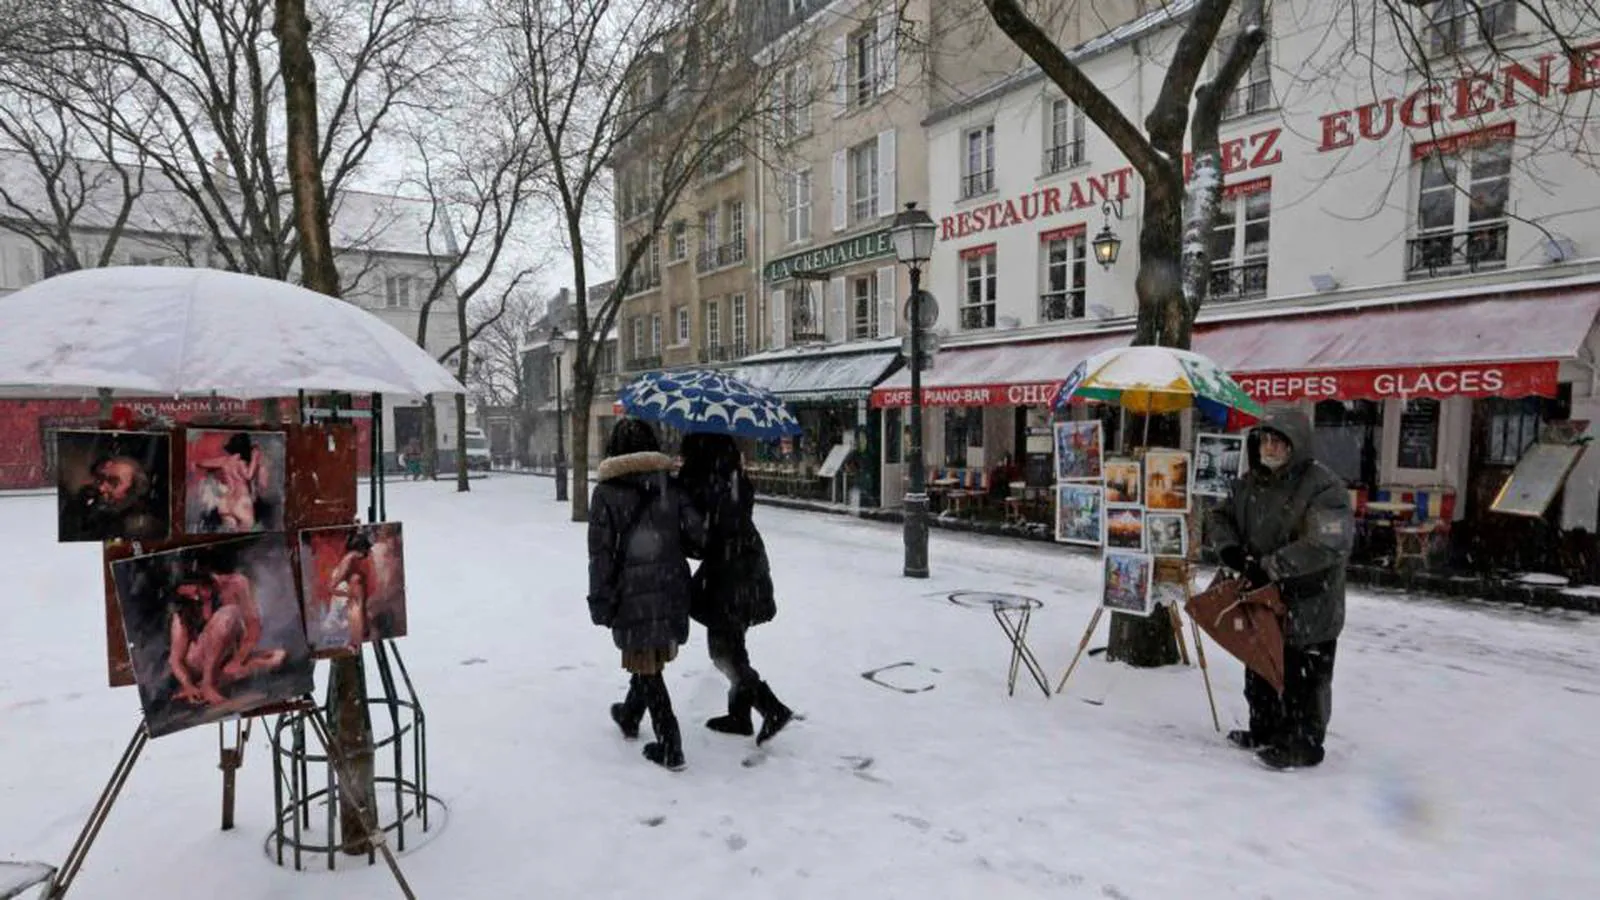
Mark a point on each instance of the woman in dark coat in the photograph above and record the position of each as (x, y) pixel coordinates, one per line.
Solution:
(641, 531)
(732, 589)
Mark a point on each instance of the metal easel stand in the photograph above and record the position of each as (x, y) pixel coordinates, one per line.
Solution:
(306, 783)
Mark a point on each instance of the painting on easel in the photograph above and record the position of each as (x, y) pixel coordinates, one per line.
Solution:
(353, 579)
(1169, 585)
(214, 630)
(1127, 582)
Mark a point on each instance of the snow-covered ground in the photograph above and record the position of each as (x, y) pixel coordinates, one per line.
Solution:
(1464, 759)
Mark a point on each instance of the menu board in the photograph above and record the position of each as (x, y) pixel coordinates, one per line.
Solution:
(1536, 480)
(1419, 435)
(834, 461)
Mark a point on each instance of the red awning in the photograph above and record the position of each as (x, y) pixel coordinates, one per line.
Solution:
(1499, 347)
(1019, 374)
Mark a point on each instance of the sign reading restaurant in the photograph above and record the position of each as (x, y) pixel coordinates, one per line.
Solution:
(825, 259)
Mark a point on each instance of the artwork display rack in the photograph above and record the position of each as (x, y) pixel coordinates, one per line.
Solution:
(294, 763)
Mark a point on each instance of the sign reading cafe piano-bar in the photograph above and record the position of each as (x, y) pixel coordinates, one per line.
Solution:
(825, 259)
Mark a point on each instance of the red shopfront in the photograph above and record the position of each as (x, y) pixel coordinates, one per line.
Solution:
(1432, 397)
(28, 427)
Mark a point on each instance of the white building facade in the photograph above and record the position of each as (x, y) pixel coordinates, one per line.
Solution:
(1406, 247)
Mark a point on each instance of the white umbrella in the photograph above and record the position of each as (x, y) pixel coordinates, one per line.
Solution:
(164, 331)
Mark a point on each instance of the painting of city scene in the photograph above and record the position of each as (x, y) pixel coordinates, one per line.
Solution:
(1166, 480)
(1170, 584)
(1127, 582)
(1167, 534)
(1218, 459)
(1079, 450)
(1125, 529)
(1080, 514)
(1124, 482)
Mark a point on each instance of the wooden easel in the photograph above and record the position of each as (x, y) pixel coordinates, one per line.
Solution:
(1176, 618)
(63, 878)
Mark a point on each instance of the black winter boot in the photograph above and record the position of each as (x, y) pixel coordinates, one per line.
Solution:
(774, 715)
(628, 713)
(1246, 740)
(737, 721)
(667, 749)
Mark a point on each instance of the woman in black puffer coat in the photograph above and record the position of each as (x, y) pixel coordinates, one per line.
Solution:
(642, 529)
(732, 589)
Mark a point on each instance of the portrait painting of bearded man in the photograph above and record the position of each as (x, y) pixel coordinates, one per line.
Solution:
(234, 481)
(214, 630)
(113, 484)
(353, 580)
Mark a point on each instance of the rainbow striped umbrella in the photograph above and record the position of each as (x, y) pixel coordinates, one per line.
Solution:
(1154, 380)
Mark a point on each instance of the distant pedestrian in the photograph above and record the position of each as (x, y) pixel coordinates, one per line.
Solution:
(1288, 520)
(732, 589)
(641, 531)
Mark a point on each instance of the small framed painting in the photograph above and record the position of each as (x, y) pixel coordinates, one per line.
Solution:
(1125, 528)
(1128, 578)
(1167, 535)
(1124, 482)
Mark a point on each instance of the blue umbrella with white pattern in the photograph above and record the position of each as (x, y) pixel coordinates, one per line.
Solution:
(707, 401)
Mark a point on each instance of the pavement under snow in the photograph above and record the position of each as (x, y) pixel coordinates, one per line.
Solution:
(1463, 759)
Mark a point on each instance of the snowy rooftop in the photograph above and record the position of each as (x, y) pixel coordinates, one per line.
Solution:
(361, 219)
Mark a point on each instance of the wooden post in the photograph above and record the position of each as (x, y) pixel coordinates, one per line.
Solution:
(1082, 645)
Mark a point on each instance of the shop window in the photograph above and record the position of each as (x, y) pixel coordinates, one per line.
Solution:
(1347, 439)
(978, 298)
(1513, 426)
(1419, 435)
(1239, 242)
(963, 428)
(894, 436)
(1461, 211)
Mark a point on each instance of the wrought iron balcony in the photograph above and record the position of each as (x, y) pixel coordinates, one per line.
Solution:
(1245, 281)
(977, 317)
(1060, 306)
(729, 254)
(1066, 156)
(644, 364)
(1451, 253)
(977, 184)
(723, 353)
(643, 280)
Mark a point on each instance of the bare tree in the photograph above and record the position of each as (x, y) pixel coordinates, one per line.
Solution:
(208, 70)
(483, 175)
(635, 100)
(502, 378)
(1173, 266)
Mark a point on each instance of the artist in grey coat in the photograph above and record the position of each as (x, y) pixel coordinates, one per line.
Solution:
(1288, 520)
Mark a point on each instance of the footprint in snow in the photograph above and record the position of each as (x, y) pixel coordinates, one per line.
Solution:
(736, 842)
(652, 821)
(915, 822)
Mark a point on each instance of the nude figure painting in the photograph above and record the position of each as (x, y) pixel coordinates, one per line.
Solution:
(234, 481)
(353, 580)
(214, 630)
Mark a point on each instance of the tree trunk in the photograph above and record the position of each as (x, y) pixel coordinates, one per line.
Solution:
(430, 438)
(461, 444)
(352, 727)
(578, 450)
(1147, 641)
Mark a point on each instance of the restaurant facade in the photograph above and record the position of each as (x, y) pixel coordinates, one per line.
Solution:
(1411, 259)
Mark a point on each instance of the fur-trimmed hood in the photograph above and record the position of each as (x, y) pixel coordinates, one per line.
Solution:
(634, 464)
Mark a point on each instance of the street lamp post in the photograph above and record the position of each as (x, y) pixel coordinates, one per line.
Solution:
(913, 232)
(558, 345)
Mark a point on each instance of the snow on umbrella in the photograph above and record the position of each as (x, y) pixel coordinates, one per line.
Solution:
(707, 401)
(160, 331)
(1154, 380)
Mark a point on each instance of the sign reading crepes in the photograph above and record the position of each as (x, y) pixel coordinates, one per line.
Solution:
(1517, 379)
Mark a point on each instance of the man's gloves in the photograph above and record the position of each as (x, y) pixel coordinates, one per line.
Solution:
(1237, 559)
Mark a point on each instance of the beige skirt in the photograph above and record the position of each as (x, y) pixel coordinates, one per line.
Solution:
(649, 662)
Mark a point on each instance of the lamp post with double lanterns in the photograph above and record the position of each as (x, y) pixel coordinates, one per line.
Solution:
(913, 232)
(558, 346)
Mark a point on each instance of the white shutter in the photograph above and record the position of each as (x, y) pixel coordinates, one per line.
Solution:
(802, 102)
(780, 320)
(805, 207)
(886, 302)
(841, 315)
(841, 192)
(841, 68)
(886, 201)
(888, 23)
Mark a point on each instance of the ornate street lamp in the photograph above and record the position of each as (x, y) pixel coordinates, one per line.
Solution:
(913, 232)
(1106, 244)
(558, 346)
